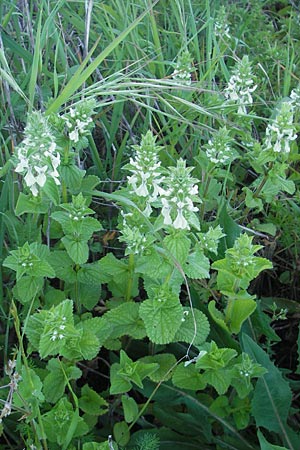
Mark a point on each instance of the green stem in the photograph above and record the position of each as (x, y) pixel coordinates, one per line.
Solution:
(128, 295)
(17, 325)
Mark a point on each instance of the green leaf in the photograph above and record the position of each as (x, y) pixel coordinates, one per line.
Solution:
(63, 266)
(58, 422)
(188, 377)
(217, 316)
(118, 384)
(55, 382)
(240, 310)
(162, 316)
(77, 248)
(130, 408)
(121, 433)
(194, 327)
(27, 288)
(197, 265)
(72, 176)
(265, 445)
(230, 228)
(220, 379)
(52, 191)
(125, 320)
(127, 372)
(91, 274)
(29, 204)
(92, 403)
(178, 245)
(29, 389)
(272, 394)
(165, 361)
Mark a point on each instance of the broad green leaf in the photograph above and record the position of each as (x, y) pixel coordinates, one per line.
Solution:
(92, 274)
(130, 408)
(162, 317)
(121, 433)
(77, 248)
(29, 204)
(165, 361)
(272, 394)
(52, 191)
(118, 384)
(58, 421)
(72, 176)
(197, 265)
(29, 389)
(125, 320)
(240, 310)
(241, 412)
(188, 377)
(265, 445)
(111, 266)
(217, 316)
(220, 379)
(55, 382)
(63, 266)
(92, 403)
(27, 288)
(178, 244)
(194, 327)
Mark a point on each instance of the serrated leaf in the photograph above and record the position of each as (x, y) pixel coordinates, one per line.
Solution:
(220, 379)
(197, 265)
(92, 403)
(55, 382)
(188, 377)
(125, 320)
(77, 248)
(92, 274)
(27, 288)
(178, 244)
(29, 204)
(162, 317)
(118, 385)
(194, 327)
(165, 361)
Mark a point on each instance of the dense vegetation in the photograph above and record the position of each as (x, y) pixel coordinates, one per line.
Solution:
(149, 226)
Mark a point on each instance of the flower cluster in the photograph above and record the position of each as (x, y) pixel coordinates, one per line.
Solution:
(210, 240)
(137, 239)
(146, 173)
(218, 149)
(78, 120)
(280, 133)
(37, 157)
(241, 85)
(295, 98)
(58, 331)
(179, 196)
(184, 68)
(221, 26)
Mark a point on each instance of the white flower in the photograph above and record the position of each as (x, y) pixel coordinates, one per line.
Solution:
(166, 209)
(74, 135)
(180, 222)
(41, 177)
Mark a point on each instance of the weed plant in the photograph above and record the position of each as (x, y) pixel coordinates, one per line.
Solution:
(149, 225)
